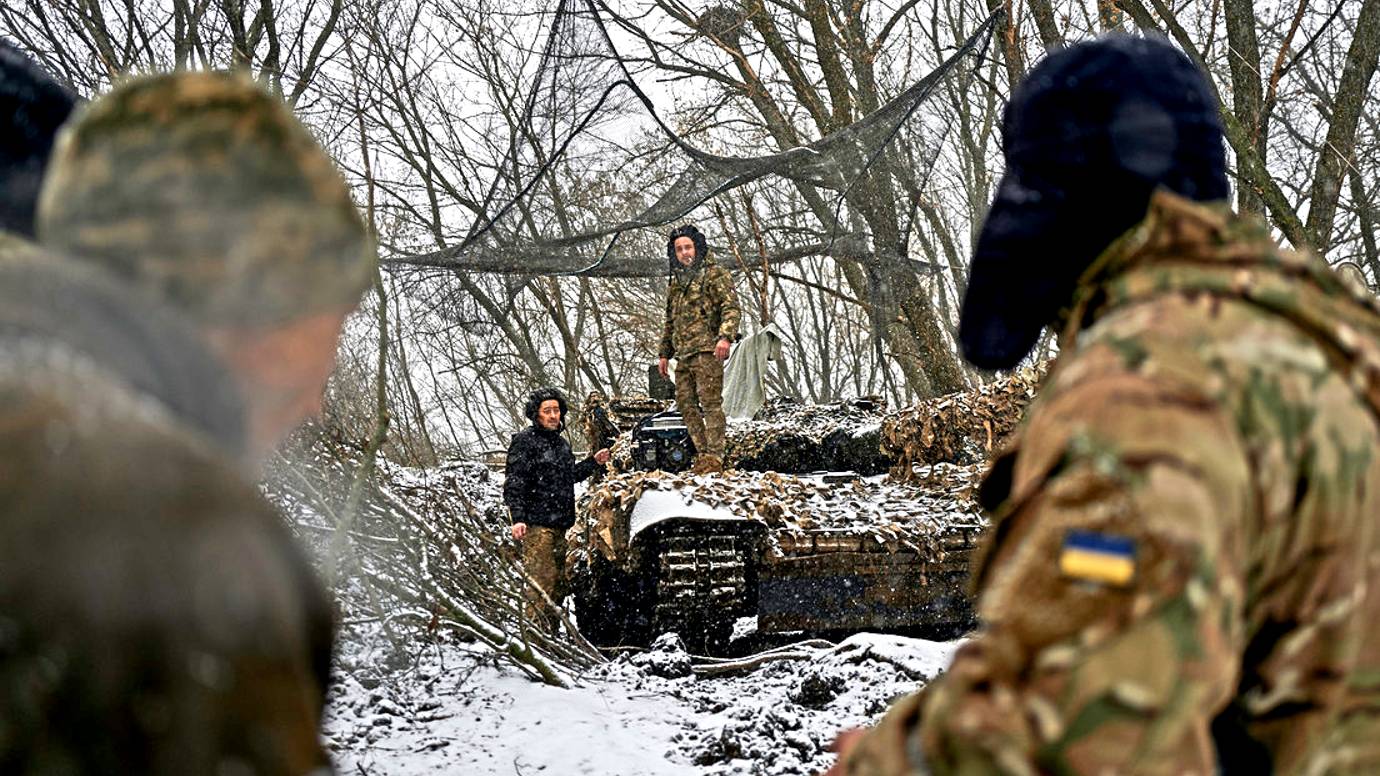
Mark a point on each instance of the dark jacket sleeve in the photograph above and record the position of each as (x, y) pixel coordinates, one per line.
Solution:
(517, 483)
(586, 468)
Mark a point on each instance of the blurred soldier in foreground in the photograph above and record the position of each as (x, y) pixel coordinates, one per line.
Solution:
(156, 615)
(203, 190)
(1351, 273)
(1183, 574)
(701, 322)
(539, 490)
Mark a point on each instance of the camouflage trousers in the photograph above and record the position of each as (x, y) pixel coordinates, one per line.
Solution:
(543, 558)
(700, 399)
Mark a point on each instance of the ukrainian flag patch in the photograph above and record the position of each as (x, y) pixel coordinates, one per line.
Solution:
(1098, 557)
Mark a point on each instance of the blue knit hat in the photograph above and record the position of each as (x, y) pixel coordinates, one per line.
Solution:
(1088, 136)
(32, 107)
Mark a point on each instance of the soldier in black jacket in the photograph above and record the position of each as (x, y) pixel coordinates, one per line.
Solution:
(540, 494)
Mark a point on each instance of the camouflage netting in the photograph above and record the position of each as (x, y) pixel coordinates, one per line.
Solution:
(865, 513)
(579, 113)
(787, 436)
(859, 434)
(939, 449)
(784, 436)
(604, 420)
(961, 428)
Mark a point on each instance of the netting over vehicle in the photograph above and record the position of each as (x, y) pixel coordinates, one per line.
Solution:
(573, 184)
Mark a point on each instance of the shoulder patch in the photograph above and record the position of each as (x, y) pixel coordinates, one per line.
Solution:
(1092, 556)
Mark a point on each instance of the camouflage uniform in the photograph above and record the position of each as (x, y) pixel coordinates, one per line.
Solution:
(155, 614)
(1351, 273)
(1183, 576)
(701, 309)
(543, 558)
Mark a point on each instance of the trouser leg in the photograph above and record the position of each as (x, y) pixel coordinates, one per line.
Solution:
(688, 401)
(543, 558)
(709, 387)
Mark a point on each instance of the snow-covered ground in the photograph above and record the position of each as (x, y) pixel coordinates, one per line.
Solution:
(433, 704)
(455, 709)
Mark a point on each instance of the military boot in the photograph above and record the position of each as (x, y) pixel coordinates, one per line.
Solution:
(707, 464)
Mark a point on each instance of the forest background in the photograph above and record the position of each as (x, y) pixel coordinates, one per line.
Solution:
(430, 106)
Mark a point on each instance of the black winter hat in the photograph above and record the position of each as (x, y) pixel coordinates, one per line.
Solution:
(538, 397)
(687, 230)
(32, 107)
(1088, 136)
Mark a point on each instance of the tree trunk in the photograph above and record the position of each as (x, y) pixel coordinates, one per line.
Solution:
(1337, 152)
(1246, 89)
(1046, 25)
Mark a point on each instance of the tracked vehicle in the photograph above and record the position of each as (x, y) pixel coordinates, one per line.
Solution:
(658, 551)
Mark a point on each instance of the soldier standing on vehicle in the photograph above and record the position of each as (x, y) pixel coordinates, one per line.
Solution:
(1183, 571)
(701, 322)
(539, 490)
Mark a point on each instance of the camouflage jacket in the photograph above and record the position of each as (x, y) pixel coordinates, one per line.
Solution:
(131, 338)
(157, 614)
(1183, 575)
(701, 308)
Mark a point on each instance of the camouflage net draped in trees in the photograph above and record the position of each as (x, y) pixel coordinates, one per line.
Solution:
(541, 216)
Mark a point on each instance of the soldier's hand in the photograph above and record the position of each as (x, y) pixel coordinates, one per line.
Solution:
(519, 530)
(721, 350)
(843, 743)
(601, 457)
(663, 366)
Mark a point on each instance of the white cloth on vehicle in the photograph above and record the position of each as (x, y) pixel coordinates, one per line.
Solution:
(745, 375)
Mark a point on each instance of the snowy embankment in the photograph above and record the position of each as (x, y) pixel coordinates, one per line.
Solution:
(458, 710)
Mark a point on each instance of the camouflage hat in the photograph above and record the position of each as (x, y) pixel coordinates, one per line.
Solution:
(205, 189)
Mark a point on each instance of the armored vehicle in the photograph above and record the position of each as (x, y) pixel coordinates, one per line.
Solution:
(658, 550)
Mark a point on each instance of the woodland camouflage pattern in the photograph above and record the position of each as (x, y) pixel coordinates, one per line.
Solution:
(701, 307)
(204, 189)
(962, 427)
(1219, 408)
